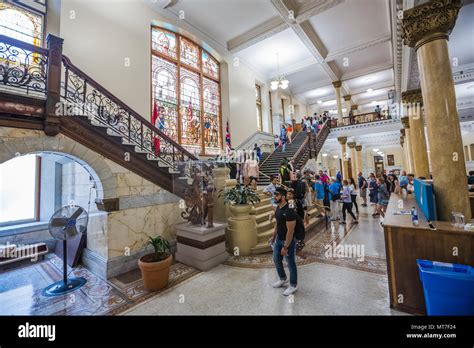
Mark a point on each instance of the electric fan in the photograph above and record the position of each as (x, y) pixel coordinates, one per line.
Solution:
(66, 223)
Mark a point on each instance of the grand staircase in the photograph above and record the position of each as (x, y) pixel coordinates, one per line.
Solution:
(300, 150)
(35, 82)
(270, 163)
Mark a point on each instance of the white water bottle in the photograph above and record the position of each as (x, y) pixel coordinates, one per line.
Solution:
(414, 216)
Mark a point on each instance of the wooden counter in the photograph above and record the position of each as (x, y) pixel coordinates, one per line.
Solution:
(404, 243)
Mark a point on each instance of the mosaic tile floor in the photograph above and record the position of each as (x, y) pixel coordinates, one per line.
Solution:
(20, 290)
(316, 248)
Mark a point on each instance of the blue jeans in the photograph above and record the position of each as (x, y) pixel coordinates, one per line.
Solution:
(283, 147)
(290, 259)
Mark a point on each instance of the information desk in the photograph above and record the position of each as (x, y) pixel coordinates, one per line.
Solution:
(404, 243)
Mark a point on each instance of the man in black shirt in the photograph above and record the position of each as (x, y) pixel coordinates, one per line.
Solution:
(283, 242)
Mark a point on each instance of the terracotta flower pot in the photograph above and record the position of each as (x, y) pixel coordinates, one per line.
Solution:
(155, 274)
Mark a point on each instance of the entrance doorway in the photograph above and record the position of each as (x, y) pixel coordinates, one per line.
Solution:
(378, 164)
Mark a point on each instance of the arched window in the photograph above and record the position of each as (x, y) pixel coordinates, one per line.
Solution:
(21, 24)
(186, 90)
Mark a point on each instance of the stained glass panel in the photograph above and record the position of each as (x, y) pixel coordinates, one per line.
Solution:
(165, 95)
(209, 65)
(21, 24)
(211, 99)
(189, 53)
(190, 109)
(164, 42)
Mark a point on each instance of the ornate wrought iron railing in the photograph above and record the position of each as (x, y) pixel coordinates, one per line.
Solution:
(358, 119)
(311, 146)
(91, 99)
(23, 67)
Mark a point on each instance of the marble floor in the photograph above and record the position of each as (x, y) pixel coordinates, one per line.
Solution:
(325, 288)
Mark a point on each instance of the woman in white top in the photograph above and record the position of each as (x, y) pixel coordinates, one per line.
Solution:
(353, 187)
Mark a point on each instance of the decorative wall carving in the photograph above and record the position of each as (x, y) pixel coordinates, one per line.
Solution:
(428, 21)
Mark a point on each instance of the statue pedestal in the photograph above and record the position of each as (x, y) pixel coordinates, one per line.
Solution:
(200, 247)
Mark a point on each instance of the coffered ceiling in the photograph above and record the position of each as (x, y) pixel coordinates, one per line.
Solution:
(321, 41)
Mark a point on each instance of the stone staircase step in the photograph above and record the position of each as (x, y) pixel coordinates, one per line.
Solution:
(263, 216)
(265, 226)
(261, 248)
(265, 236)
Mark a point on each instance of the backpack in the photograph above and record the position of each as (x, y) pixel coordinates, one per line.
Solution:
(300, 190)
(300, 232)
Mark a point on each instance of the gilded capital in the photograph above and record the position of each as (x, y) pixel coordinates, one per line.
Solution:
(342, 140)
(358, 147)
(412, 97)
(430, 21)
(351, 144)
(406, 122)
(337, 84)
(347, 97)
(354, 107)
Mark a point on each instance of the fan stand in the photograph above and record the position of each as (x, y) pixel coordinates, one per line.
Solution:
(67, 284)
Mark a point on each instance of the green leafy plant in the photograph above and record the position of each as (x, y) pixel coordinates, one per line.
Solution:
(239, 194)
(161, 247)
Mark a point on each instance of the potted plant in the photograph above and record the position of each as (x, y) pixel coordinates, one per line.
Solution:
(241, 199)
(155, 267)
(241, 231)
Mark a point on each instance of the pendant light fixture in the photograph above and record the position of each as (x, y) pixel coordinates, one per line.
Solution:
(280, 81)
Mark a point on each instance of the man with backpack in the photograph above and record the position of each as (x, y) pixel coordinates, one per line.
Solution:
(334, 196)
(288, 228)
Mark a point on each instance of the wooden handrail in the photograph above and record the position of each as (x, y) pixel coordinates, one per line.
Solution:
(90, 81)
(23, 45)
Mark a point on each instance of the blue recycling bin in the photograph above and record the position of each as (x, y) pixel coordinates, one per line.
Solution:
(448, 287)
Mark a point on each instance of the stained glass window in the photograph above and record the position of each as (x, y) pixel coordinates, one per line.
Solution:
(211, 99)
(21, 24)
(186, 92)
(164, 42)
(189, 53)
(209, 65)
(165, 96)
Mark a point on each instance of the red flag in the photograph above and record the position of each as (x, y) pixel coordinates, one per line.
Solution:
(154, 119)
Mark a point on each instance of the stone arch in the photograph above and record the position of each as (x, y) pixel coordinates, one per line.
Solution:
(28, 142)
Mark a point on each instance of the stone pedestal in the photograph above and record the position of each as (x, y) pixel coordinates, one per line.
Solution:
(220, 179)
(200, 247)
(345, 167)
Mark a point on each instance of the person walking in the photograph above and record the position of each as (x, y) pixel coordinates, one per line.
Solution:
(258, 152)
(285, 174)
(289, 132)
(284, 243)
(318, 189)
(363, 189)
(334, 196)
(283, 138)
(353, 187)
(347, 202)
(383, 196)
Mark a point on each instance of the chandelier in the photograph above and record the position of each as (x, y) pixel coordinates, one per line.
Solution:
(280, 81)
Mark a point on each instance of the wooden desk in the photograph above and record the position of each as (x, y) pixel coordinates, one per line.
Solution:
(404, 243)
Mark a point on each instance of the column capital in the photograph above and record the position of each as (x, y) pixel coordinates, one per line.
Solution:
(430, 21)
(337, 84)
(402, 140)
(412, 96)
(342, 140)
(347, 97)
(358, 147)
(351, 144)
(354, 107)
(402, 132)
(406, 122)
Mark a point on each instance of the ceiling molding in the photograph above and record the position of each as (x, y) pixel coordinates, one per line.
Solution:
(302, 65)
(367, 71)
(397, 43)
(255, 35)
(358, 47)
(311, 86)
(375, 87)
(315, 7)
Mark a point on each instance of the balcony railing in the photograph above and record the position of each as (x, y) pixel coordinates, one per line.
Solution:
(48, 74)
(23, 68)
(358, 119)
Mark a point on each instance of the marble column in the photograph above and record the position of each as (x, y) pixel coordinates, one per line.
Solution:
(220, 179)
(353, 173)
(347, 99)
(354, 109)
(413, 102)
(402, 144)
(426, 28)
(406, 126)
(359, 159)
(337, 86)
(343, 141)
